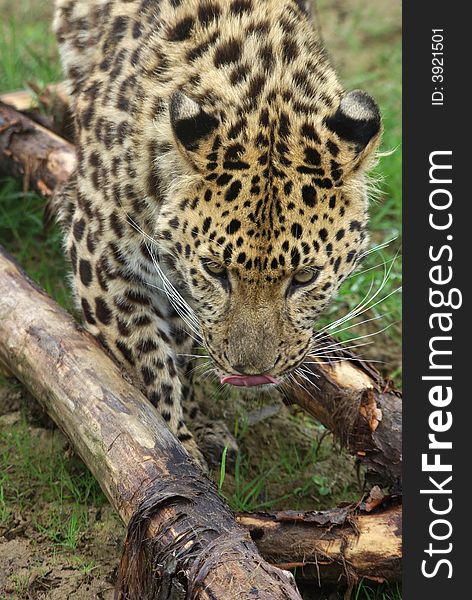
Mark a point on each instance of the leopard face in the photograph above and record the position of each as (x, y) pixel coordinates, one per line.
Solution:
(269, 223)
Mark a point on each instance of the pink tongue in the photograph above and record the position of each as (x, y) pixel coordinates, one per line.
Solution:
(248, 380)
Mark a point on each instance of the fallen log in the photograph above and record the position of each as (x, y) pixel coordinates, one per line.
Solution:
(176, 519)
(48, 106)
(363, 411)
(349, 398)
(20, 100)
(29, 100)
(182, 539)
(328, 546)
(34, 154)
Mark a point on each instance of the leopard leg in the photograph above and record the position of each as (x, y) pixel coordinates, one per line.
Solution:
(124, 315)
(213, 436)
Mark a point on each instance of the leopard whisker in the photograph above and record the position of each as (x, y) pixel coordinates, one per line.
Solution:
(297, 382)
(377, 248)
(364, 305)
(337, 359)
(334, 350)
(178, 303)
(376, 318)
(377, 266)
(168, 287)
(346, 317)
(340, 345)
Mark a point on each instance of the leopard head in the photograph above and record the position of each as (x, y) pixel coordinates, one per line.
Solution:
(260, 231)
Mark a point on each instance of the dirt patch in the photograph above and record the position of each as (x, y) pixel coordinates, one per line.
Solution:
(56, 542)
(30, 574)
(31, 567)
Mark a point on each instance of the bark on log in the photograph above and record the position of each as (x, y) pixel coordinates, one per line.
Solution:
(349, 398)
(48, 106)
(181, 537)
(361, 409)
(20, 100)
(329, 545)
(39, 157)
(28, 101)
(176, 520)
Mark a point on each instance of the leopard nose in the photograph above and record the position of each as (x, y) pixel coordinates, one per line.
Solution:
(244, 369)
(249, 369)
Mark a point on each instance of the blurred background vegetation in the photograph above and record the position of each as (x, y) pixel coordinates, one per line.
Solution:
(69, 539)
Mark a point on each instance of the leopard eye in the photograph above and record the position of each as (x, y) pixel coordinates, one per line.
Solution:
(215, 269)
(305, 277)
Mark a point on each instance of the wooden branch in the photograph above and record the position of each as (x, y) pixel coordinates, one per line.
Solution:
(349, 398)
(39, 157)
(27, 101)
(329, 545)
(362, 410)
(181, 537)
(20, 100)
(48, 106)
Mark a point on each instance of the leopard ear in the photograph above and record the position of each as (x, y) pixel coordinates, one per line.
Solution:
(306, 6)
(190, 123)
(357, 120)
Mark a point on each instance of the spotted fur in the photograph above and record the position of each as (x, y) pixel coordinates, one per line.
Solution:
(209, 132)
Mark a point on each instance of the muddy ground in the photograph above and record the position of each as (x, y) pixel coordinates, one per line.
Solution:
(32, 564)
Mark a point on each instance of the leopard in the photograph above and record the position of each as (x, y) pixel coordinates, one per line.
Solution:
(221, 191)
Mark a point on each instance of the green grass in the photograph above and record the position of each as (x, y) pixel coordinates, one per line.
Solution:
(253, 493)
(293, 470)
(39, 477)
(28, 53)
(386, 591)
(28, 49)
(22, 233)
(379, 73)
